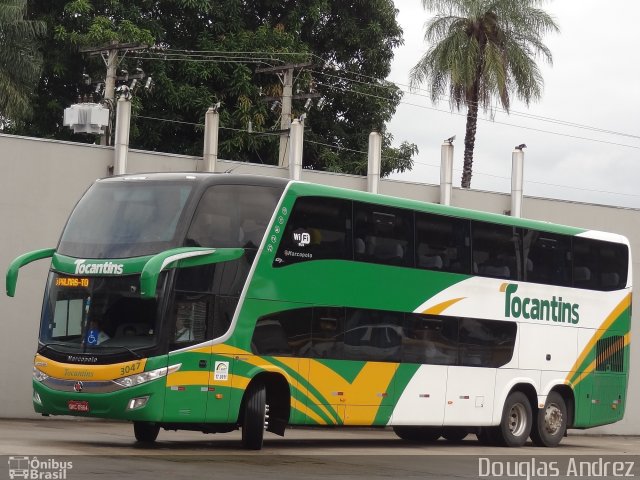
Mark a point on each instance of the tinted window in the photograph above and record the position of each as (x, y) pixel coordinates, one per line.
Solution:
(383, 235)
(204, 302)
(102, 314)
(233, 216)
(284, 333)
(486, 343)
(429, 339)
(547, 258)
(373, 335)
(128, 219)
(327, 333)
(442, 243)
(599, 265)
(496, 250)
(319, 229)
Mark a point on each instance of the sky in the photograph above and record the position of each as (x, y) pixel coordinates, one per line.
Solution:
(594, 83)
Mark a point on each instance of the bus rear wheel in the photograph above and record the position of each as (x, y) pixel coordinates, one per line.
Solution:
(551, 422)
(417, 434)
(517, 419)
(146, 432)
(255, 416)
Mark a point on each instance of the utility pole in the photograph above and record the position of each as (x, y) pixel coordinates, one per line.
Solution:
(286, 75)
(110, 56)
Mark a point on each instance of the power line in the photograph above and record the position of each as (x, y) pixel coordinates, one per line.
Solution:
(483, 119)
(337, 147)
(217, 56)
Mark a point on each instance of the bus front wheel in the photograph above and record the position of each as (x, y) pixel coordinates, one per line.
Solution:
(551, 422)
(517, 419)
(146, 432)
(254, 420)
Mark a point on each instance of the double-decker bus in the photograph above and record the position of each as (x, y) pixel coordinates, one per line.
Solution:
(213, 302)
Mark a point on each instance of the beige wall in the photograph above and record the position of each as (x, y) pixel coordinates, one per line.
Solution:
(40, 181)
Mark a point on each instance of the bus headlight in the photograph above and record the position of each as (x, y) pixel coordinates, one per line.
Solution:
(144, 377)
(39, 375)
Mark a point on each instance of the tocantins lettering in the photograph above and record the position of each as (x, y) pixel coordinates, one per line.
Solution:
(555, 310)
(103, 268)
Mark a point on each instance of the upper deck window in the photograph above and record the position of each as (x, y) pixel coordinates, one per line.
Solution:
(319, 229)
(121, 220)
(233, 216)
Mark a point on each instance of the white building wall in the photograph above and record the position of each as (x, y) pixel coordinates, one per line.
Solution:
(41, 180)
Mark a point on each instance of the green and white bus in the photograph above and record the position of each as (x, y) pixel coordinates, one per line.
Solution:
(213, 302)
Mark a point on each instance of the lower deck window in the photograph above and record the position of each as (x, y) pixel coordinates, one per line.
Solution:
(341, 333)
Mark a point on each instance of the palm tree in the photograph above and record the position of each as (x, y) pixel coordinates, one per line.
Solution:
(20, 61)
(482, 50)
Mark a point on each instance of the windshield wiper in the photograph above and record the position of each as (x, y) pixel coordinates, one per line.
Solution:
(132, 352)
(48, 345)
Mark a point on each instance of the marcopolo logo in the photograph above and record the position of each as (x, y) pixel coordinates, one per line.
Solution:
(555, 309)
(95, 268)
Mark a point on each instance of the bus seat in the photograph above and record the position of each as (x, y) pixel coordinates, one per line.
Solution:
(124, 328)
(432, 262)
(581, 274)
(495, 271)
(386, 249)
(359, 246)
(610, 279)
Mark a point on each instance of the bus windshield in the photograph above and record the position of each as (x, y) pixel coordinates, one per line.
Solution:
(98, 314)
(114, 220)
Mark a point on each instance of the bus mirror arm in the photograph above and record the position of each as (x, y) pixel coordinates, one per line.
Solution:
(187, 257)
(21, 261)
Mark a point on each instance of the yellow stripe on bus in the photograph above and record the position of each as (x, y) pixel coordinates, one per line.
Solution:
(441, 307)
(89, 373)
(612, 317)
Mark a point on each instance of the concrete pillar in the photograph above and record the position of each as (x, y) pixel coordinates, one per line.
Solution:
(121, 146)
(285, 116)
(295, 149)
(210, 151)
(517, 178)
(374, 160)
(446, 172)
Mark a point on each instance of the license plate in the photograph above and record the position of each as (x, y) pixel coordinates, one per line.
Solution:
(78, 405)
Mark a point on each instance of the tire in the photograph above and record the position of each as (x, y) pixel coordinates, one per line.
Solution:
(146, 432)
(418, 434)
(551, 422)
(454, 434)
(255, 414)
(489, 436)
(517, 420)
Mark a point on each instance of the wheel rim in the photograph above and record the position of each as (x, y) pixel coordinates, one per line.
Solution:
(517, 419)
(553, 420)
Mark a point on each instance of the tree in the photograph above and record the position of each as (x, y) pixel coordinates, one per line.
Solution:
(193, 65)
(483, 50)
(20, 61)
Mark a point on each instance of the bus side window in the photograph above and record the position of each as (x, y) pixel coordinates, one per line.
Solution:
(547, 258)
(429, 339)
(497, 251)
(283, 333)
(599, 265)
(442, 243)
(386, 234)
(327, 332)
(189, 317)
(486, 343)
(318, 229)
